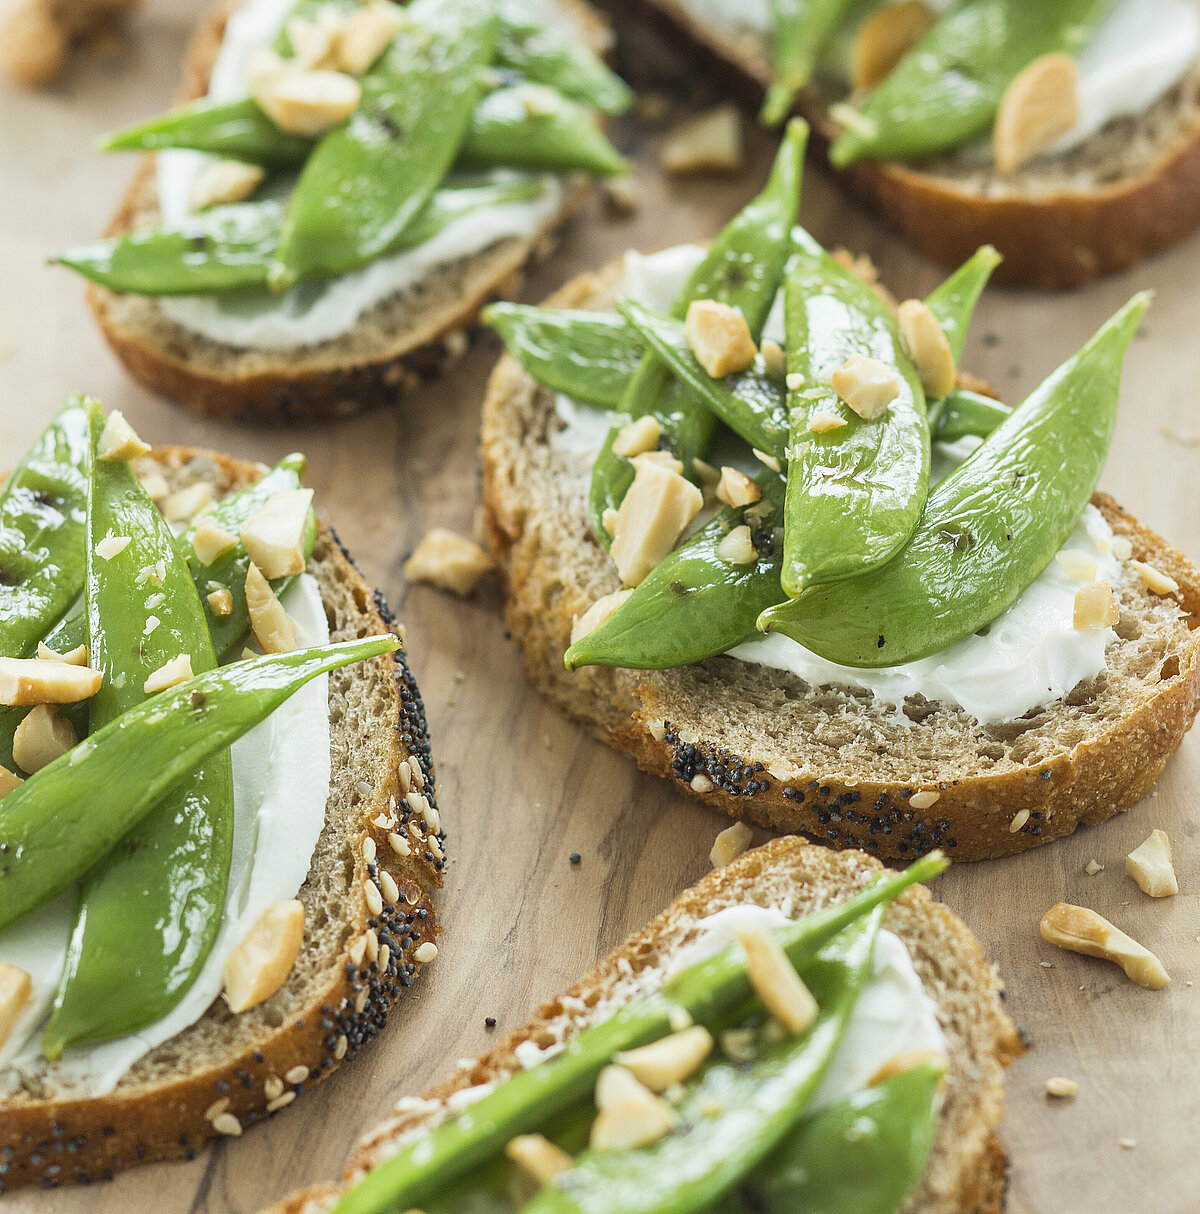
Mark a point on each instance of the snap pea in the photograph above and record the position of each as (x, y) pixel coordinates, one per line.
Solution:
(367, 180)
(591, 356)
(732, 1115)
(50, 835)
(800, 30)
(743, 269)
(695, 603)
(989, 528)
(862, 1155)
(947, 89)
(532, 1098)
(953, 301)
(963, 414)
(148, 912)
(854, 494)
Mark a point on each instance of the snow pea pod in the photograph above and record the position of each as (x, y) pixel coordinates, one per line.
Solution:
(148, 912)
(756, 1105)
(854, 493)
(50, 836)
(966, 414)
(800, 30)
(531, 1099)
(947, 89)
(368, 179)
(989, 528)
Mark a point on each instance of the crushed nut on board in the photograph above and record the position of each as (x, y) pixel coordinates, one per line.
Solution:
(1062, 1087)
(730, 844)
(1150, 865)
(1084, 931)
(708, 143)
(448, 561)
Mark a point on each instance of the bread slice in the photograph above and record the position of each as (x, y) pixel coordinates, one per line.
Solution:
(967, 1167)
(228, 1072)
(763, 745)
(1129, 191)
(410, 336)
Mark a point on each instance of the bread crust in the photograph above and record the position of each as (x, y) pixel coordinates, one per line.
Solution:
(57, 1141)
(327, 380)
(1056, 238)
(967, 1167)
(974, 818)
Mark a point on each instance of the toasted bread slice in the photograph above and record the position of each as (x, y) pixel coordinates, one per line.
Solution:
(763, 745)
(966, 1169)
(1129, 191)
(228, 1070)
(410, 336)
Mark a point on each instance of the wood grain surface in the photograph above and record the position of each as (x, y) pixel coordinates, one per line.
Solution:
(523, 788)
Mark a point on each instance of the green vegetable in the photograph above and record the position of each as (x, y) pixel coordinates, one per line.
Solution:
(947, 89)
(155, 901)
(800, 30)
(988, 529)
(953, 302)
(50, 836)
(964, 413)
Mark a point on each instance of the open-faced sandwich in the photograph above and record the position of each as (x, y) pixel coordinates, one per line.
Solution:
(802, 1030)
(793, 564)
(1064, 132)
(218, 831)
(348, 182)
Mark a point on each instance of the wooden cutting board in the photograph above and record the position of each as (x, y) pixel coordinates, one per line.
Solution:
(522, 787)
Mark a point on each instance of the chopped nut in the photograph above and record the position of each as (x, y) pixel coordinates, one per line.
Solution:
(40, 738)
(226, 181)
(1127, 1144)
(775, 358)
(631, 1122)
(719, 337)
(118, 440)
(1122, 547)
(730, 844)
(364, 35)
(1040, 104)
(1095, 608)
(822, 422)
(1155, 579)
(1019, 820)
(622, 193)
(271, 625)
(448, 561)
(737, 489)
(169, 674)
(928, 347)
(33, 44)
(25, 681)
(776, 982)
(15, 988)
(537, 1158)
(73, 657)
(638, 437)
(1149, 864)
(1062, 1087)
(313, 41)
(1083, 931)
(737, 547)
(665, 459)
(155, 484)
(898, 1064)
(262, 960)
(426, 952)
(767, 460)
(306, 102)
(884, 39)
(923, 800)
(708, 143)
(738, 1044)
(668, 1060)
(181, 505)
(274, 536)
(867, 385)
(793, 381)
(211, 541)
(112, 545)
(615, 1084)
(653, 515)
(9, 780)
(597, 613)
(220, 602)
(1092, 868)
(1078, 566)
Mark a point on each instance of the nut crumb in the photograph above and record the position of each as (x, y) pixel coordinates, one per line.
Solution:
(448, 561)
(1061, 1087)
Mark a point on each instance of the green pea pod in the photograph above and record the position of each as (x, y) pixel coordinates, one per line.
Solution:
(530, 126)
(743, 268)
(544, 54)
(50, 836)
(157, 897)
(696, 603)
(535, 1098)
(947, 89)
(757, 1104)
(367, 180)
(966, 414)
(800, 30)
(751, 403)
(953, 302)
(855, 493)
(589, 356)
(989, 528)
(862, 1155)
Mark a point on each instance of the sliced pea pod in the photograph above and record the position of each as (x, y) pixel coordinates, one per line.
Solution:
(947, 89)
(989, 528)
(800, 30)
(50, 836)
(367, 180)
(158, 896)
(966, 414)
(854, 493)
(535, 1098)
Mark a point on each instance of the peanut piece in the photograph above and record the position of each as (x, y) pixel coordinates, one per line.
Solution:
(719, 337)
(730, 844)
(1083, 931)
(776, 982)
(211, 541)
(118, 440)
(41, 737)
(1095, 608)
(737, 547)
(15, 988)
(709, 143)
(1039, 105)
(1149, 864)
(169, 674)
(653, 515)
(884, 39)
(274, 536)
(538, 1159)
(867, 385)
(307, 102)
(928, 347)
(272, 626)
(638, 437)
(25, 681)
(260, 963)
(737, 489)
(669, 1059)
(365, 34)
(448, 561)
(225, 182)
(1155, 579)
(597, 613)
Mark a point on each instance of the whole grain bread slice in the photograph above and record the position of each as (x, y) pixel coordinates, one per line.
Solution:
(1129, 191)
(831, 762)
(411, 336)
(966, 1170)
(228, 1072)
